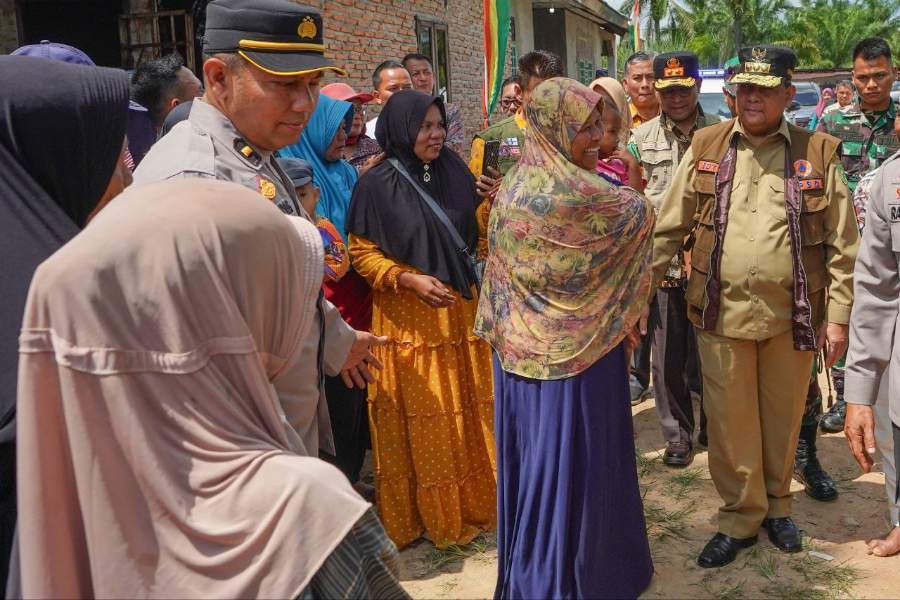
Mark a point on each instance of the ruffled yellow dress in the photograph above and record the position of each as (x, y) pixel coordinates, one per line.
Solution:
(431, 411)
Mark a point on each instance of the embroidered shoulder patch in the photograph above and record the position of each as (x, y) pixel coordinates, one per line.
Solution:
(708, 166)
(812, 184)
(803, 168)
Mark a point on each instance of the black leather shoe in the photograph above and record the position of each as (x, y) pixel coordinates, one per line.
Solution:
(807, 469)
(678, 454)
(833, 420)
(783, 533)
(721, 550)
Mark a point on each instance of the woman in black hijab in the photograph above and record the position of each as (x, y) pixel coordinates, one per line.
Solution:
(62, 135)
(431, 410)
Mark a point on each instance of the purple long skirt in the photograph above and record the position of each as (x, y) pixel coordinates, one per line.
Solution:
(570, 521)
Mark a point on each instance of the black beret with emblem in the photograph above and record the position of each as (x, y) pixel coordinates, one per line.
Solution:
(676, 69)
(765, 66)
(278, 36)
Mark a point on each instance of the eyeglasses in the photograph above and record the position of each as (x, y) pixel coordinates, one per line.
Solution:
(510, 102)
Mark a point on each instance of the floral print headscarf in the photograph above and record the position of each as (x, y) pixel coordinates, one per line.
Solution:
(568, 269)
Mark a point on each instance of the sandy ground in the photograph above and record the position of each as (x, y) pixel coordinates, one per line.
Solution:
(680, 506)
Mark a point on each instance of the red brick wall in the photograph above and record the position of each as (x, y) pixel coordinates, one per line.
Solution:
(359, 34)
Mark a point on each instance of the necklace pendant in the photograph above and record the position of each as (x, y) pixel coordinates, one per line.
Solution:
(426, 177)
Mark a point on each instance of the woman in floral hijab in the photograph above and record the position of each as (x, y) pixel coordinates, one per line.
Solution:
(566, 282)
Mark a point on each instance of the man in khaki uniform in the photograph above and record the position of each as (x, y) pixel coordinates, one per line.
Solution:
(774, 245)
(659, 144)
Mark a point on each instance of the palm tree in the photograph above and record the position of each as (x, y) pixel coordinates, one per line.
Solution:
(655, 9)
(824, 32)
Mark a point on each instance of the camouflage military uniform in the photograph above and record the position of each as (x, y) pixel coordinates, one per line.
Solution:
(867, 138)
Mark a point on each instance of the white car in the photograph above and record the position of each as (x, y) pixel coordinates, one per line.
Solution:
(711, 94)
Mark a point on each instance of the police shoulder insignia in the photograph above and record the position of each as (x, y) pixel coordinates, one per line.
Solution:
(708, 166)
(266, 188)
(803, 168)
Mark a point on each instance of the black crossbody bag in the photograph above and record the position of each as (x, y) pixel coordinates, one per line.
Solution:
(475, 267)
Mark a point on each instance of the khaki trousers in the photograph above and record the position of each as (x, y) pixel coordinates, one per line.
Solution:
(754, 394)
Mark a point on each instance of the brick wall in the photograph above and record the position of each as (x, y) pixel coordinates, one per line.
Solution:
(359, 34)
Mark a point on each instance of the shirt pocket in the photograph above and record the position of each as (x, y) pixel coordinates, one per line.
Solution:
(658, 168)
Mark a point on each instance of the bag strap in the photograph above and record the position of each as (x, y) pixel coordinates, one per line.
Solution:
(433, 205)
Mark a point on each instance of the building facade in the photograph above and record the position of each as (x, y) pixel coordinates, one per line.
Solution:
(359, 35)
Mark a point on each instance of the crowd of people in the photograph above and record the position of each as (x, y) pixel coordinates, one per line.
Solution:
(222, 294)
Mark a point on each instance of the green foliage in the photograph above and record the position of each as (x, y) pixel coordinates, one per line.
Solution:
(822, 32)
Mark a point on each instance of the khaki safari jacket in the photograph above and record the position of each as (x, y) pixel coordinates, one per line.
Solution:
(756, 274)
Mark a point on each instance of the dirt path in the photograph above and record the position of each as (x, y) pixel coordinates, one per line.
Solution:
(680, 506)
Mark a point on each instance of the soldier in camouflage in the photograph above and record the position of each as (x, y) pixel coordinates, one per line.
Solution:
(866, 130)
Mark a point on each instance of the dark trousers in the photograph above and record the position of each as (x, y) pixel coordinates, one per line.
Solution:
(7, 507)
(640, 360)
(675, 365)
(349, 413)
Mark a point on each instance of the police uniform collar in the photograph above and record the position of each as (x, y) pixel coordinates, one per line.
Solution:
(782, 130)
(211, 120)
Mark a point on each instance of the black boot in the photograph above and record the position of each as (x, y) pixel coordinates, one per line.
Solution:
(833, 420)
(819, 485)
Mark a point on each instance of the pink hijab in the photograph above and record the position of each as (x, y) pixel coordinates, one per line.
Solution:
(155, 459)
(823, 101)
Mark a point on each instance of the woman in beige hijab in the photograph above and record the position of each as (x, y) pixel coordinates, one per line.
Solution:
(155, 459)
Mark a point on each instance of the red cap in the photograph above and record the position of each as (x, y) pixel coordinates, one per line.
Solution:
(342, 91)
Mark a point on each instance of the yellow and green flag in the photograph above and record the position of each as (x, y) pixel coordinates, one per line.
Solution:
(496, 34)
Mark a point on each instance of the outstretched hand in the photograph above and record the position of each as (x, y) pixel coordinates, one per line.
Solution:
(355, 371)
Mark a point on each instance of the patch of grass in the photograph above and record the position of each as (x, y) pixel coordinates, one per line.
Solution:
(829, 579)
(663, 523)
(763, 561)
(438, 558)
(789, 591)
(681, 484)
(645, 464)
(728, 591)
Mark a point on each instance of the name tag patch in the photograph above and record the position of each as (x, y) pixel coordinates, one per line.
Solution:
(811, 184)
(894, 210)
(708, 166)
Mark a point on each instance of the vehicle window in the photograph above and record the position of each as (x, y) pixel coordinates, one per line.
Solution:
(714, 104)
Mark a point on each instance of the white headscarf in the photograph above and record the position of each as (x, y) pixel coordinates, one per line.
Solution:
(154, 456)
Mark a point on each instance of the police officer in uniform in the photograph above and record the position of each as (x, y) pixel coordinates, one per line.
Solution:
(263, 63)
(771, 281)
(873, 361)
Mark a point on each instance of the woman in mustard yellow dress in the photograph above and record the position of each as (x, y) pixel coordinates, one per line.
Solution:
(431, 408)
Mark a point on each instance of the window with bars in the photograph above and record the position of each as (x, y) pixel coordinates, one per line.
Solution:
(433, 41)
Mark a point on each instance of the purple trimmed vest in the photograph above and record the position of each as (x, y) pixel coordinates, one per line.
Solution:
(715, 154)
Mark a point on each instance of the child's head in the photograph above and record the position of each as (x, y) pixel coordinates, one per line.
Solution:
(612, 125)
(300, 173)
(308, 195)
